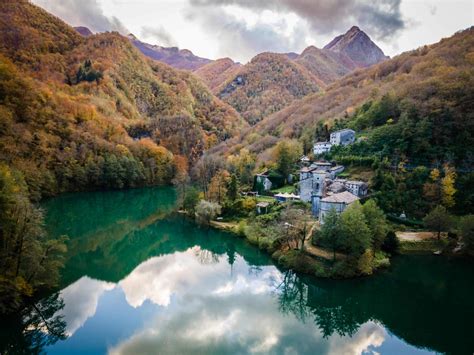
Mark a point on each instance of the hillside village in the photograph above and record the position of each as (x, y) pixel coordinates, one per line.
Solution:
(319, 183)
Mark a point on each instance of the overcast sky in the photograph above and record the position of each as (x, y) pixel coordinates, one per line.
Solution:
(240, 29)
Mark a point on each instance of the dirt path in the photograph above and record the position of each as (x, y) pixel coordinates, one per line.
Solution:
(229, 226)
(316, 251)
(415, 236)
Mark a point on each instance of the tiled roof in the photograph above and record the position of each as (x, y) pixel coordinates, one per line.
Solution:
(355, 182)
(342, 197)
(344, 130)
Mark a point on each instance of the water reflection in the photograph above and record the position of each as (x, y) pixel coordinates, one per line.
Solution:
(200, 307)
(41, 324)
(141, 278)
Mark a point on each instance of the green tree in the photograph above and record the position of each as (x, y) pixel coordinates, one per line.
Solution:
(29, 260)
(287, 153)
(191, 199)
(466, 230)
(376, 222)
(355, 231)
(233, 188)
(331, 233)
(439, 220)
(391, 243)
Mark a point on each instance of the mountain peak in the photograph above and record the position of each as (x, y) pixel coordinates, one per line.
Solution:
(358, 46)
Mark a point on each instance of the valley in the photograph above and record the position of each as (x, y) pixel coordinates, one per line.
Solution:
(279, 183)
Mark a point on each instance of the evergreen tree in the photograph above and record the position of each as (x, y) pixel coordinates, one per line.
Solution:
(232, 190)
(391, 243)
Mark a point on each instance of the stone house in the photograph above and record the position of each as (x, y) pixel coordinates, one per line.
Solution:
(343, 137)
(336, 170)
(311, 182)
(358, 188)
(338, 201)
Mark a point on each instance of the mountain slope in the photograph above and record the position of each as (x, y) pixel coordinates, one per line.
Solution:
(177, 58)
(266, 84)
(217, 72)
(418, 105)
(358, 47)
(93, 112)
(325, 64)
(342, 55)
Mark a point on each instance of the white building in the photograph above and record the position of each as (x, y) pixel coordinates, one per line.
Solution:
(321, 148)
(343, 137)
(339, 202)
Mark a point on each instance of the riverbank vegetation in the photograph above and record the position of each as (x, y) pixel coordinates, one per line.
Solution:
(29, 260)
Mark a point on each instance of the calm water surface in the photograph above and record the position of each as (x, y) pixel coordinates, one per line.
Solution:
(141, 279)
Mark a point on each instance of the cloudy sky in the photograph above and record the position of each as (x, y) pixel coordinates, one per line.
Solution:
(241, 29)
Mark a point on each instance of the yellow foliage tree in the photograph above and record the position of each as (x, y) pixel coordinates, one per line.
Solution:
(447, 186)
(217, 189)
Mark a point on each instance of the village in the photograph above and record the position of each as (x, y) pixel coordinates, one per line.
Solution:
(319, 183)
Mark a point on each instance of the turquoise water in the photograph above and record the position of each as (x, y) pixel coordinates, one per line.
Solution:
(141, 279)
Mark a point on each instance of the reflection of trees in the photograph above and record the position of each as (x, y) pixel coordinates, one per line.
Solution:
(34, 328)
(206, 257)
(331, 314)
(293, 295)
(332, 318)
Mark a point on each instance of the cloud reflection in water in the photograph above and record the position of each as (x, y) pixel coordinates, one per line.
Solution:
(206, 305)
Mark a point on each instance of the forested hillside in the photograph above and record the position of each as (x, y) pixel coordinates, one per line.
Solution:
(415, 109)
(217, 72)
(326, 65)
(94, 112)
(266, 85)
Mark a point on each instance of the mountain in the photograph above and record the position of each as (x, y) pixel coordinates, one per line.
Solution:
(418, 105)
(342, 55)
(177, 58)
(83, 31)
(215, 73)
(358, 47)
(266, 84)
(325, 64)
(270, 81)
(92, 112)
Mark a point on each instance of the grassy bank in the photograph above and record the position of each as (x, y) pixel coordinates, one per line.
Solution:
(310, 260)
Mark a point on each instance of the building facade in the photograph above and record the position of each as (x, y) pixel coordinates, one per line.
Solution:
(358, 188)
(321, 148)
(338, 202)
(343, 137)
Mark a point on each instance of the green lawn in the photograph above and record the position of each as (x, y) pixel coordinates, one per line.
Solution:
(265, 199)
(285, 189)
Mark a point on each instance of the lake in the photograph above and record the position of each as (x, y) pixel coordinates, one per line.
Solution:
(142, 279)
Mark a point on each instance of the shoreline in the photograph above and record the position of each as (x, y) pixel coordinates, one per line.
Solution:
(315, 261)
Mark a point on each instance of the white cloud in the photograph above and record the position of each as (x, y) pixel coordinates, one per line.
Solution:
(87, 13)
(243, 28)
(81, 299)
